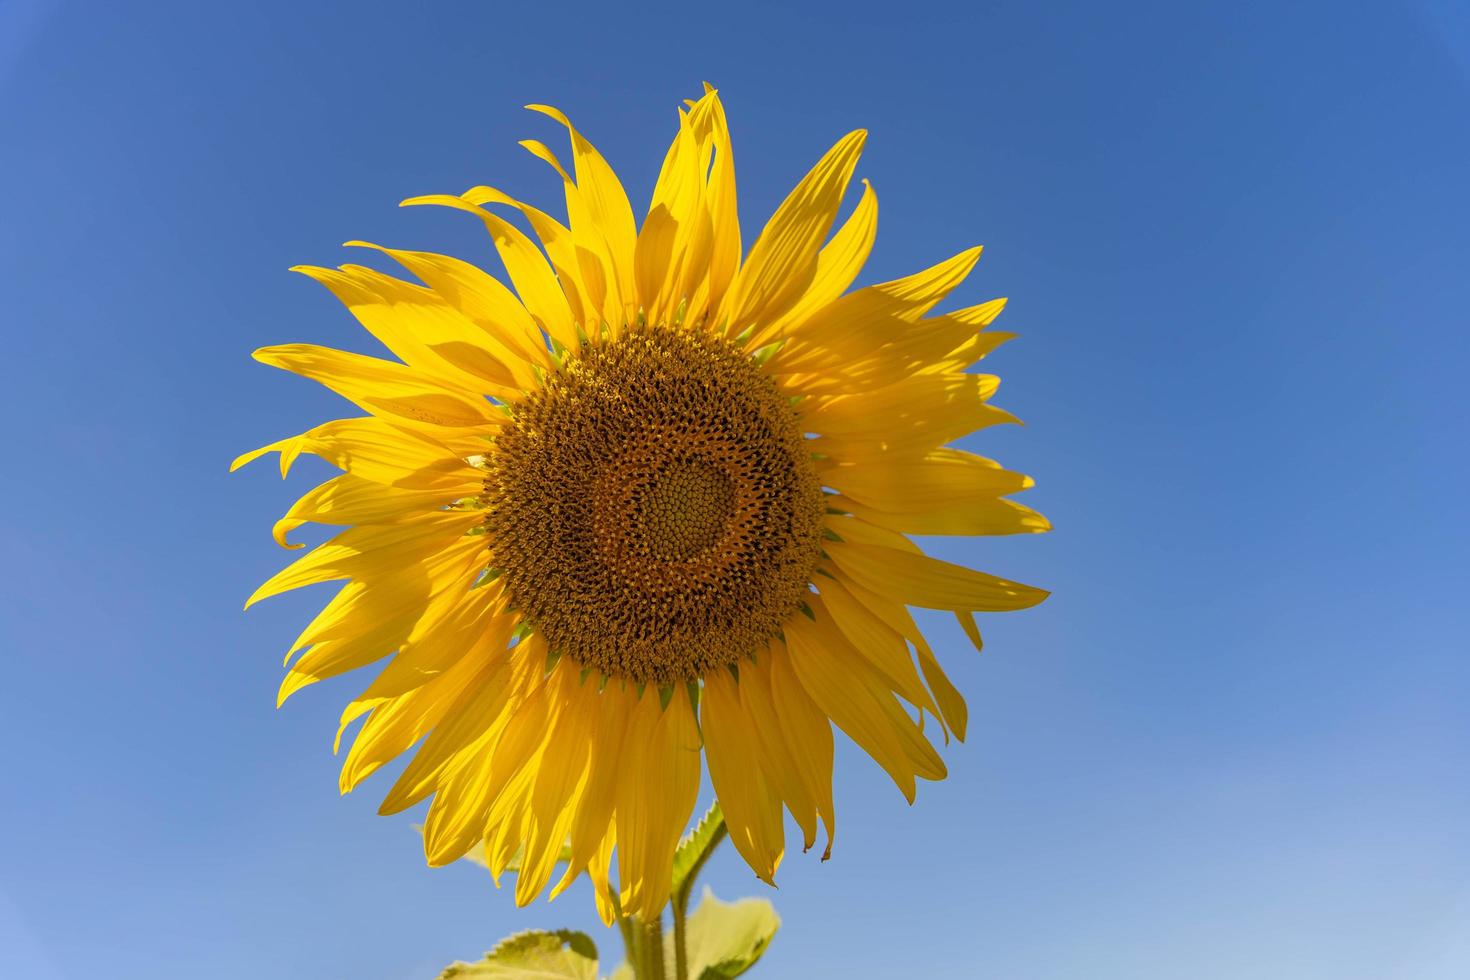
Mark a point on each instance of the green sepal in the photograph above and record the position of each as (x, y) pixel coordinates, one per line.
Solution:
(765, 353)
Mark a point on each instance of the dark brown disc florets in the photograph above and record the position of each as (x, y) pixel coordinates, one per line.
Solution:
(653, 507)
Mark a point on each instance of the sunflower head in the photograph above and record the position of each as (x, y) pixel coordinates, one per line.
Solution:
(646, 505)
(654, 507)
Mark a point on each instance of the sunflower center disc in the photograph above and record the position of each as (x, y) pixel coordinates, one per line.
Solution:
(653, 508)
(684, 509)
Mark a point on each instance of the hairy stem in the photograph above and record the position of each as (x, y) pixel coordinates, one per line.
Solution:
(653, 949)
(680, 899)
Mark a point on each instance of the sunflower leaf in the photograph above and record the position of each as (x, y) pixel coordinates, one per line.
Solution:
(560, 955)
(696, 846)
(724, 939)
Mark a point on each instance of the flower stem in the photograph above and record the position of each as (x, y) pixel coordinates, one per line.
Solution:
(681, 955)
(653, 949)
(680, 898)
(630, 944)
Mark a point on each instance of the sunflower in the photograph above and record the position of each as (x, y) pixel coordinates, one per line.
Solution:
(649, 508)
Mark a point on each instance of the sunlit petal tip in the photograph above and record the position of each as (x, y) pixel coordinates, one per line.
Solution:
(542, 152)
(247, 458)
(547, 110)
(283, 528)
(293, 682)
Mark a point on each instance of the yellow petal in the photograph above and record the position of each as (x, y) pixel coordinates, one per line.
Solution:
(935, 339)
(598, 274)
(882, 647)
(911, 417)
(776, 753)
(752, 808)
(677, 230)
(478, 715)
(395, 724)
(951, 703)
(591, 825)
(581, 263)
(707, 117)
(969, 516)
(350, 499)
(905, 406)
(918, 580)
(655, 797)
(361, 551)
(936, 479)
(972, 350)
(529, 270)
(838, 264)
(598, 870)
(604, 198)
(806, 726)
(865, 320)
(338, 656)
(424, 331)
(484, 301)
(783, 262)
(460, 622)
(384, 388)
(379, 451)
(419, 604)
(559, 779)
(859, 702)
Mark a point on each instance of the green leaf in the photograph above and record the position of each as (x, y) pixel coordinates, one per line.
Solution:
(724, 939)
(560, 955)
(695, 847)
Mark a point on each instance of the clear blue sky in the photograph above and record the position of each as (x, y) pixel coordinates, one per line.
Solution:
(1236, 238)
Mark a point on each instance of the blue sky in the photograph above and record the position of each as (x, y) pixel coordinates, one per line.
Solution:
(1233, 745)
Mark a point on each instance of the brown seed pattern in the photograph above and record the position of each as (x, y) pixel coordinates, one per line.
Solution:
(653, 508)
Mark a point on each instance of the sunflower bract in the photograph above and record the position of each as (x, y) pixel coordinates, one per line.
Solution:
(642, 506)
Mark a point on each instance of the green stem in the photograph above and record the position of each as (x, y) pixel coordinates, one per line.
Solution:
(653, 949)
(686, 889)
(681, 955)
(632, 947)
(630, 943)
